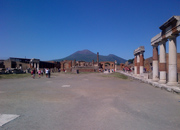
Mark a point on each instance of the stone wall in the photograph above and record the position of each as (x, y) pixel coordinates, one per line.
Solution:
(12, 64)
(148, 63)
(85, 69)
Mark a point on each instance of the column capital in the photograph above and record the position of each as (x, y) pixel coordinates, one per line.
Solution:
(173, 36)
(163, 41)
(155, 45)
(141, 53)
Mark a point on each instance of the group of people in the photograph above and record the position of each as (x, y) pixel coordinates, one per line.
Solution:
(127, 69)
(40, 72)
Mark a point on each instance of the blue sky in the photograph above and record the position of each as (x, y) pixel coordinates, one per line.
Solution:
(53, 29)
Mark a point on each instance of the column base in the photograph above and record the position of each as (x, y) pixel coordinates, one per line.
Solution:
(172, 83)
(155, 79)
(134, 74)
(162, 81)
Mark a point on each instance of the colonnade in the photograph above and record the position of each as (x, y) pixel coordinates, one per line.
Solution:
(34, 63)
(139, 60)
(170, 31)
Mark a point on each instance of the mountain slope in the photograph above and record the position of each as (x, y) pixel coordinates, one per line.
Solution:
(88, 56)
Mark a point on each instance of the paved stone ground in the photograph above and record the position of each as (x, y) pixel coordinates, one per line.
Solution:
(87, 102)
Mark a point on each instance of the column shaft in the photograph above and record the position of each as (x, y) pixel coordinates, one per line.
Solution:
(32, 65)
(141, 63)
(155, 63)
(138, 65)
(135, 65)
(38, 66)
(172, 75)
(162, 62)
(62, 67)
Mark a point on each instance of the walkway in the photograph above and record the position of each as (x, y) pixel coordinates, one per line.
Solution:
(173, 89)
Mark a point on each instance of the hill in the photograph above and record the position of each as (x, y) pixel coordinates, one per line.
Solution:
(88, 56)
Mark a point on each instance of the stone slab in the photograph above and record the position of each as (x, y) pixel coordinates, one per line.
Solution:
(5, 118)
(66, 86)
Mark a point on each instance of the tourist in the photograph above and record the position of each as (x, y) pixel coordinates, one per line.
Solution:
(39, 73)
(46, 71)
(34, 72)
(49, 73)
(42, 72)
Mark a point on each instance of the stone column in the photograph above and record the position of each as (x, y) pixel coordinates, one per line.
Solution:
(135, 65)
(162, 62)
(141, 63)
(78, 63)
(62, 66)
(38, 66)
(70, 66)
(172, 75)
(35, 65)
(98, 58)
(138, 65)
(74, 63)
(115, 65)
(155, 63)
(92, 62)
(32, 65)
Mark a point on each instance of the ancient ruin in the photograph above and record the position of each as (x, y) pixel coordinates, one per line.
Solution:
(170, 31)
(74, 66)
(139, 60)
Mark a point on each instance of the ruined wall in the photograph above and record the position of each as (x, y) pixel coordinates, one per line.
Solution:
(7, 64)
(16, 64)
(85, 69)
(148, 63)
(107, 65)
(66, 66)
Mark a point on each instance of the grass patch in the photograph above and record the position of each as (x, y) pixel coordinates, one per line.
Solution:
(14, 76)
(116, 75)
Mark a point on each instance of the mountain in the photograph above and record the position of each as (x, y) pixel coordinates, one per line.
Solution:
(88, 56)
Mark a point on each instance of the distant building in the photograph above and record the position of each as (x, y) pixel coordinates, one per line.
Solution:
(63, 66)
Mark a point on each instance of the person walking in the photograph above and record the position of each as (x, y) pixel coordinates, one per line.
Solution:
(39, 73)
(46, 71)
(42, 72)
(34, 72)
(49, 73)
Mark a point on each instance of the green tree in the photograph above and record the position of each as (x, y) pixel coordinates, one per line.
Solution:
(131, 60)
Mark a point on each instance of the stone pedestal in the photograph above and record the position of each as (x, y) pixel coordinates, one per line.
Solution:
(135, 70)
(155, 71)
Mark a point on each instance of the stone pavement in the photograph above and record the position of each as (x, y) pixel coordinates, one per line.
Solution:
(87, 102)
(173, 89)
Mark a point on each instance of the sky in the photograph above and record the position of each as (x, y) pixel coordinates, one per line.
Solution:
(54, 29)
